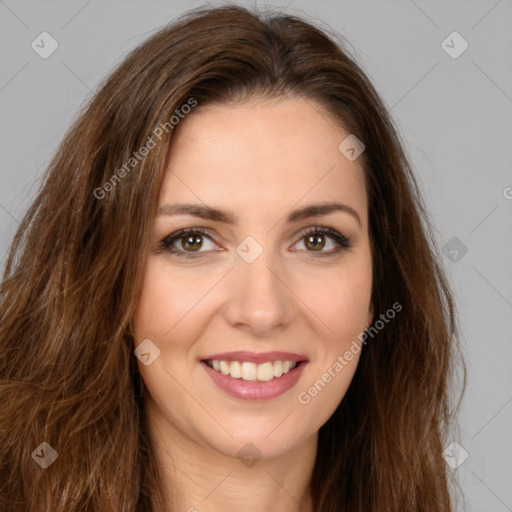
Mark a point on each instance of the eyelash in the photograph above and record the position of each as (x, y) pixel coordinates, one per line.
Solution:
(341, 240)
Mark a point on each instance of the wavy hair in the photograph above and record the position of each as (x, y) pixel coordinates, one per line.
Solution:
(75, 270)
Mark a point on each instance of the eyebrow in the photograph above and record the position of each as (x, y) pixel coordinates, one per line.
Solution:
(214, 214)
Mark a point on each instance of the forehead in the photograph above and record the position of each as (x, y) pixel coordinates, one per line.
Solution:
(275, 154)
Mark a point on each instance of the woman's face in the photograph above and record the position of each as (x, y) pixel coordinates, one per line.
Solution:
(252, 289)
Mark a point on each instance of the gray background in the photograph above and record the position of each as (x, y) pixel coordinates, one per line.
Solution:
(454, 115)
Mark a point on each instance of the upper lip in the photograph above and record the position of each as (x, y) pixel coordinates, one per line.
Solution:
(257, 357)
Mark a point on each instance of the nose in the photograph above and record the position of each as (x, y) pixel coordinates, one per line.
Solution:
(258, 298)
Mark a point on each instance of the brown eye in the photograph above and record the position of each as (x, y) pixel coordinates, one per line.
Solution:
(191, 242)
(315, 242)
(324, 241)
(188, 243)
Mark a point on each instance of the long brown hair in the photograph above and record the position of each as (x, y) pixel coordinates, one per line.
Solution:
(76, 266)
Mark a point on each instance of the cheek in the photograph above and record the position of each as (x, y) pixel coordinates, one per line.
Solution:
(341, 302)
(166, 300)
(340, 298)
(343, 309)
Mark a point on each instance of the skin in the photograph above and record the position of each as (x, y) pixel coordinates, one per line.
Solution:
(260, 160)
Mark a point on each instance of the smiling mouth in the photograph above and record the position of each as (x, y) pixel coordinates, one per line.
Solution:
(253, 372)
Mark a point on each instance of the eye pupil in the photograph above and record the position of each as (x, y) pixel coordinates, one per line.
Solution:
(313, 242)
(191, 240)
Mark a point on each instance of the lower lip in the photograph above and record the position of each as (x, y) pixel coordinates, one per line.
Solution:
(247, 390)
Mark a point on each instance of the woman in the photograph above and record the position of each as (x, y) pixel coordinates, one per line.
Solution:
(227, 291)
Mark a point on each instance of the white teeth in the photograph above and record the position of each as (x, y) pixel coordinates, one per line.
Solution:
(265, 372)
(252, 371)
(236, 370)
(224, 368)
(249, 371)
